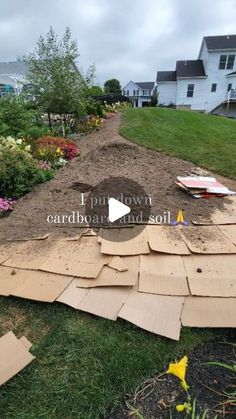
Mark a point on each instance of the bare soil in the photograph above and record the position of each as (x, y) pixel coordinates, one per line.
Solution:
(157, 397)
(103, 154)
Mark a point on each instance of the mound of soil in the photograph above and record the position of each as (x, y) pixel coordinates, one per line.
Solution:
(103, 154)
(158, 396)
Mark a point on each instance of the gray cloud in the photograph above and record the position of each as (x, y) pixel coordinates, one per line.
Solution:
(127, 39)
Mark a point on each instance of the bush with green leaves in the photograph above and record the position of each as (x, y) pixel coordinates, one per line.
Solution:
(19, 172)
(18, 120)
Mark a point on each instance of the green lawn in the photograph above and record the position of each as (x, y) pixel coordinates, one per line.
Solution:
(206, 140)
(83, 364)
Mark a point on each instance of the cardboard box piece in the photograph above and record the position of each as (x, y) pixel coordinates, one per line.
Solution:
(163, 274)
(212, 276)
(14, 356)
(209, 312)
(118, 242)
(158, 314)
(167, 239)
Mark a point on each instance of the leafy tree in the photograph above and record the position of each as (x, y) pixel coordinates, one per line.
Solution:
(112, 86)
(54, 78)
(95, 91)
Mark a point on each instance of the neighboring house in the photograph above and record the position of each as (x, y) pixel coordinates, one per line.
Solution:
(12, 77)
(139, 93)
(207, 84)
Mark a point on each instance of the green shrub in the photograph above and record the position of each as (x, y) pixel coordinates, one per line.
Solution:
(19, 172)
(18, 120)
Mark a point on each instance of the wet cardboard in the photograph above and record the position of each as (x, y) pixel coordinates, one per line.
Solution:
(209, 312)
(213, 276)
(111, 277)
(14, 356)
(76, 258)
(166, 239)
(117, 242)
(158, 314)
(207, 240)
(163, 274)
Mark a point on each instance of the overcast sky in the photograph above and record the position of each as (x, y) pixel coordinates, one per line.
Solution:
(125, 39)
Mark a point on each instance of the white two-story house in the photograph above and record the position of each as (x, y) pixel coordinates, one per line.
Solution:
(207, 84)
(139, 93)
(12, 77)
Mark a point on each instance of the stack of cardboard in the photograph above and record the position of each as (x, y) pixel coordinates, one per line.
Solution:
(163, 278)
(202, 186)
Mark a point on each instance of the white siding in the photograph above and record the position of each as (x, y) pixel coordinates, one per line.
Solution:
(136, 94)
(166, 93)
(203, 98)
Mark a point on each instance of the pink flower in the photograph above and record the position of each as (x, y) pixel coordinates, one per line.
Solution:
(6, 204)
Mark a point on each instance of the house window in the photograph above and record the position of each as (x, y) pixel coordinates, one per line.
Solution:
(226, 62)
(144, 92)
(230, 62)
(190, 90)
(223, 60)
(134, 92)
(213, 87)
(229, 87)
(127, 93)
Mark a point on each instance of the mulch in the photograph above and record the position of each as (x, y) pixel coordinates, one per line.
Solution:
(103, 154)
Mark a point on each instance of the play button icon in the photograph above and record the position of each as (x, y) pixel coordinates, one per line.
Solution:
(118, 202)
(116, 210)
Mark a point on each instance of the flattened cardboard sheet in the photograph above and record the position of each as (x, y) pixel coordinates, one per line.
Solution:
(158, 314)
(117, 242)
(230, 232)
(72, 295)
(217, 218)
(166, 239)
(39, 286)
(213, 276)
(207, 240)
(209, 312)
(9, 280)
(14, 356)
(80, 259)
(105, 302)
(111, 277)
(6, 251)
(118, 264)
(163, 274)
(30, 254)
(25, 342)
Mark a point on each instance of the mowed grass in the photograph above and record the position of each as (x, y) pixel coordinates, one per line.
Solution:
(206, 140)
(83, 364)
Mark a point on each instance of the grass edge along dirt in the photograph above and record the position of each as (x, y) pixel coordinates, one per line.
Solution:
(84, 365)
(206, 140)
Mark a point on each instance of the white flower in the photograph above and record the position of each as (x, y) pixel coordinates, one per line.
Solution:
(28, 148)
(19, 141)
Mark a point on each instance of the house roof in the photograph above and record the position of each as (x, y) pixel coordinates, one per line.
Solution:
(220, 42)
(6, 80)
(145, 84)
(165, 76)
(232, 74)
(13, 67)
(190, 68)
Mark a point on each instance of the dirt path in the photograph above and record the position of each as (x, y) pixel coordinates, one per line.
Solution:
(103, 154)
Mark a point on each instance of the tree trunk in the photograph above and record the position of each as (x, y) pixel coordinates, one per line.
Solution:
(49, 121)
